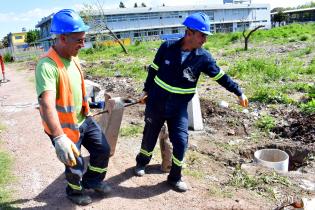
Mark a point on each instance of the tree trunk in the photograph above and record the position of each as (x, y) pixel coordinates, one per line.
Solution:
(246, 37)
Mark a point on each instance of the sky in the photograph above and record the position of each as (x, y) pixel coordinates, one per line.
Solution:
(18, 14)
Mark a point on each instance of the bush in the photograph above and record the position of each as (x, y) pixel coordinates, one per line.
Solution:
(304, 37)
(7, 57)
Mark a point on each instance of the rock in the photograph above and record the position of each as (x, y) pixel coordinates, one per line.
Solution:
(231, 133)
(223, 104)
(211, 130)
(245, 111)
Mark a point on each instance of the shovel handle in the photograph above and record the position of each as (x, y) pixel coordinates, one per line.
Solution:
(106, 111)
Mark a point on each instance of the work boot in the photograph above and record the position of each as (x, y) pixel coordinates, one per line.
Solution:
(78, 197)
(102, 187)
(139, 170)
(179, 186)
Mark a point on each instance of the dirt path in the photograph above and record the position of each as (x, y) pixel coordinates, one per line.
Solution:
(40, 182)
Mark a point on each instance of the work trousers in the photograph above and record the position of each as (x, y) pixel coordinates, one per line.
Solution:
(93, 139)
(176, 118)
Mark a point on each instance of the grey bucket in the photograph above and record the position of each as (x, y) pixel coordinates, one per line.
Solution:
(273, 158)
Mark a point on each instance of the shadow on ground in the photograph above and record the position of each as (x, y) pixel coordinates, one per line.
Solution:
(54, 197)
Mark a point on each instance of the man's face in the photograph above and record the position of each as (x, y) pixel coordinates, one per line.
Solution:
(197, 39)
(73, 43)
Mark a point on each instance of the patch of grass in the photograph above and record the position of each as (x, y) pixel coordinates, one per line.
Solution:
(130, 131)
(300, 87)
(220, 192)
(266, 94)
(194, 173)
(260, 183)
(266, 123)
(5, 178)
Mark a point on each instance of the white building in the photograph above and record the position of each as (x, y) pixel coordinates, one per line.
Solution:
(148, 23)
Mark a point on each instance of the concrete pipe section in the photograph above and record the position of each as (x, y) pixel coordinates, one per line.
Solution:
(273, 158)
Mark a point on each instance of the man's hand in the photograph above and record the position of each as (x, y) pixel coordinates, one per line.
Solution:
(143, 97)
(243, 100)
(66, 150)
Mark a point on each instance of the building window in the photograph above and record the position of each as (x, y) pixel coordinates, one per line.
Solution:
(174, 30)
(136, 34)
(18, 37)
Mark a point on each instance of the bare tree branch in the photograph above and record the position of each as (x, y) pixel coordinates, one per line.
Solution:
(246, 37)
(102, 24)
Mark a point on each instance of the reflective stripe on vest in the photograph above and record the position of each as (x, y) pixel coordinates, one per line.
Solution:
(219, 75)
(172, 89)
(64, 103)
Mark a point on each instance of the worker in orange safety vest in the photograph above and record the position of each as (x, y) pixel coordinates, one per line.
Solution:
(64, 110)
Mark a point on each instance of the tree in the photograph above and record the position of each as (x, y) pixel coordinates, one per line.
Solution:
(32, 36)
(121, 5)
(246, 37)
(279, 17)
(163, 5)
(5, 41)
(136, 5)
(143, 4)
(307, 5)
(99, 26)
(277, 9)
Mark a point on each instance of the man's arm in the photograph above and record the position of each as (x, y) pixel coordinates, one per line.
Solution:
(217, 74)
(47, 102)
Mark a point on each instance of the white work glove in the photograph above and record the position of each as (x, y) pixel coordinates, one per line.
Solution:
(243, 100)
(66, 150)
(143, 97)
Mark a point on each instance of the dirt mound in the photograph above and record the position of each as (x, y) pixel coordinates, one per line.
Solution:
(299, 128)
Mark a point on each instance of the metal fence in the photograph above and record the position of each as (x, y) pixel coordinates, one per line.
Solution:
(20, 53)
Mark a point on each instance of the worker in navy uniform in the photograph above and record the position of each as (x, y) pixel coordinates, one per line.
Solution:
(170, 85)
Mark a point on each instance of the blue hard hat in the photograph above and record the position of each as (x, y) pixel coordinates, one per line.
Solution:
(67, 21)
(198, 21)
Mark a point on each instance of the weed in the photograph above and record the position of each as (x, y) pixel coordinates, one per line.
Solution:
(192, 158)
(266, 123)
(308, 107)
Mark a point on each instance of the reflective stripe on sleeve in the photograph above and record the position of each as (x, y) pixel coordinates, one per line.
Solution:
(219, 75)
(154, 66)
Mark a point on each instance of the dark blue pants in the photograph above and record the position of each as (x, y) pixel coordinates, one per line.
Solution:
(177, 122)
(93, 139)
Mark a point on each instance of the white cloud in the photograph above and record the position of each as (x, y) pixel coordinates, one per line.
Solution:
(31, 15)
